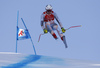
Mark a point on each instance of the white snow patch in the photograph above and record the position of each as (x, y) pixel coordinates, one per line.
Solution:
(9, 53)
(95, 64)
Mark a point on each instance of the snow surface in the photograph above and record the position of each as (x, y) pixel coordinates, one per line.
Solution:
(17, 60)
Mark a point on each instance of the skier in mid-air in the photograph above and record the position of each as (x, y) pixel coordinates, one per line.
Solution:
(48, 18)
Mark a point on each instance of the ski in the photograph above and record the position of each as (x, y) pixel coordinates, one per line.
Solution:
(64, 41)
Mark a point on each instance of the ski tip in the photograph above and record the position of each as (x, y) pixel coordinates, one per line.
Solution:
(66, 46)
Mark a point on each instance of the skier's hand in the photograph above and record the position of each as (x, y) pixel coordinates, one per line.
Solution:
(45, 30)
(63, 30)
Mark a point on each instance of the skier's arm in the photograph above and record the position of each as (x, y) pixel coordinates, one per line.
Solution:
(42, 21)
(42, 25)
(57, 19)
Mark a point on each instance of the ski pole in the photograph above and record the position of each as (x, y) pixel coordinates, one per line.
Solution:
(73, 27)
(65, 29)
(40, 37)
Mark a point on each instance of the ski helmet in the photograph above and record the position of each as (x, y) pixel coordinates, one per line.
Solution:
(48, 7)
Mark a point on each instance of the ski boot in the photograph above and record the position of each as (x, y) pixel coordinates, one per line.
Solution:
(64, 41)
(54, 35)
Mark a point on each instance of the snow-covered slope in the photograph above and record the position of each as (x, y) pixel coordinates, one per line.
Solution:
(16, 60)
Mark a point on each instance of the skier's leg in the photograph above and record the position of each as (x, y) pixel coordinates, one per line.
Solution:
(58, 30)
(50, 30)
(61, 35)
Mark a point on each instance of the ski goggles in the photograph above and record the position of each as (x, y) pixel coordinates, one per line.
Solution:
(49, 10)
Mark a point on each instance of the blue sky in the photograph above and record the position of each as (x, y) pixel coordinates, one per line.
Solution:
(83, 43)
